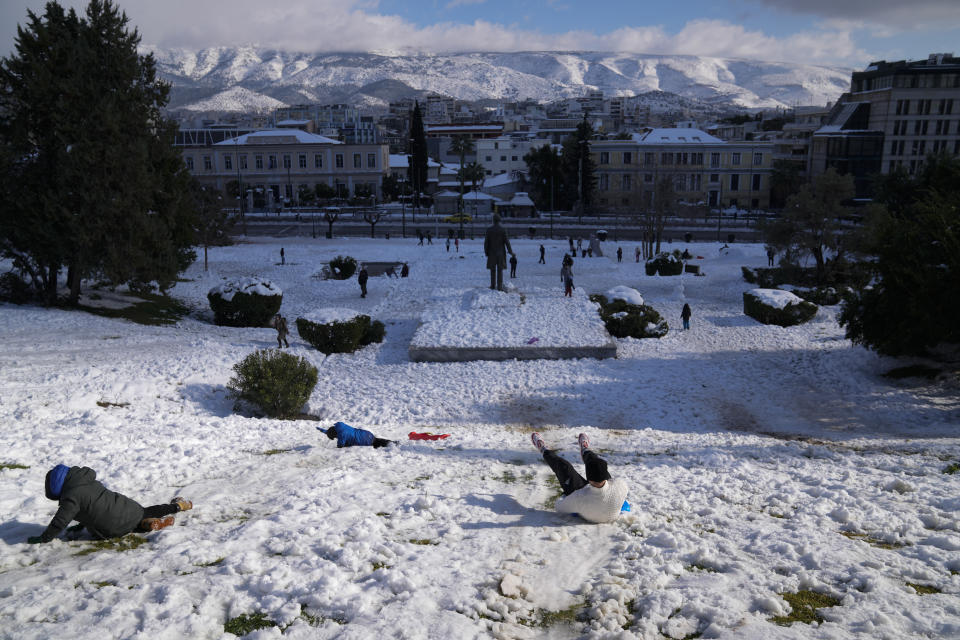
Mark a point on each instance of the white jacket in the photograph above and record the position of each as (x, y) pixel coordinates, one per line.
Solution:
(596, 505)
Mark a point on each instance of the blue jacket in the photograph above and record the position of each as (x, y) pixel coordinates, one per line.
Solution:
(347, 436)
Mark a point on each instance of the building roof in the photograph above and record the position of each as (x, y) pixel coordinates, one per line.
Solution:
(278, 136)
(470, 195)
(399, 161)
(521, 199)
(499, 180)
(675, 136)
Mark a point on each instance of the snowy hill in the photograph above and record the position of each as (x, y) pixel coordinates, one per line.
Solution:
(373, 80)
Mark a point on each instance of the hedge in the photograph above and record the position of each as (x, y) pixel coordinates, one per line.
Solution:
(341, 336)
(666, 264)
(625, 320)
(245, 303)
(277, 382)
(342, 267)
(790, 315)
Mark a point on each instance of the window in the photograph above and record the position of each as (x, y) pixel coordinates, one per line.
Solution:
(189, 161)
(666, 158)
(903, 107)
(318, 161)
(604, 181)
(735, 182)
(695, 182)
(302, 160)
(649, 158)
(288, 191)
(604, 157)
(756, 183)
(648, 177)
(680, 182)
(227, 161)
(489, 158)
(258, 161)
(696, 158)
(243, 161)
(286, 161)
(503, 158)
(371, 161)
(714, 160)
(357, 161)
(513, 158)
(735, 158)
(948, 109)
(627, 157)
(271, 161)
(625, 183)
(757, 159)
(338, 161)
(714, 178)
(683, 158)
(207, 163)
(915, 147)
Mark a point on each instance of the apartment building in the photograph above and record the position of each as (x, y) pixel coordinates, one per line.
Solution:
(505, 154)
(702, 168)
(280, 163)
(895, 114)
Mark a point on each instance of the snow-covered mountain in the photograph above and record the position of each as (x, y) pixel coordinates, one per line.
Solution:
(253, 78)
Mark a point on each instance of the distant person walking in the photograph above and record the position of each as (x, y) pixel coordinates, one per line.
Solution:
(771, 254)
(542, 254)
(513, 265)
(448, 245)
(420, 236)
(566, 276)
(685, 316)
(283, 259)
(636, 253)
(429, 237)
(619, 254)
(405, 270)
(280, 324)
(362, 279)
(456, 244)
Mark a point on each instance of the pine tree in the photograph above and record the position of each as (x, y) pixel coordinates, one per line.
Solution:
(545, 169)
(579, 170)
(418, 151)
(80, 116)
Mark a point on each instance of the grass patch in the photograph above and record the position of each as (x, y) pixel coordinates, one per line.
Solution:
(423, 541)
(567, 616)
(880, 544)
(212, 563)
(913, 371)
(380, 565)
(383, 514)
(273, 452)
(952, 468)
(107, 403)
(632, 612)
(317, 620)
(247, 622)
(105, 583)
(12, 465)
(804, 605)
(154, 310)
(923, 589)
(551, 502)
(700, 567)
(126, 543)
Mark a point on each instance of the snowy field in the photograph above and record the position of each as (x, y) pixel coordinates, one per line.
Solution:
(761, 461)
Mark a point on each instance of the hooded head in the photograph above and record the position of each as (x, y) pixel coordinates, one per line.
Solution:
(496, 218)
(597, 470)
(53, 484)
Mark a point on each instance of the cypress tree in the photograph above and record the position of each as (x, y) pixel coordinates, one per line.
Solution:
(418, 151)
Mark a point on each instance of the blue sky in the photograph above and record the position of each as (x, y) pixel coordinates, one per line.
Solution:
(847, 33)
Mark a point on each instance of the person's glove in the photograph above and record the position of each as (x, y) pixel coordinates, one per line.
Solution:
(34, 540)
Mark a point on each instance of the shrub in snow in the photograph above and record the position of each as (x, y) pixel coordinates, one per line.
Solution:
(626, 320)
(823, 296)
(666, 264)
(14, 289)
(342, 267)
(344, 335)
(248, 302)
(773, 306)
(277, 382)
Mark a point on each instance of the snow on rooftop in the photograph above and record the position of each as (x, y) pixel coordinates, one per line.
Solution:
(278, 136)
(675, 136)
(401, 161)
(498, 180)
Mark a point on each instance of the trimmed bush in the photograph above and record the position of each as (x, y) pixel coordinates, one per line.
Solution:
(277, 382)
(796, 311)
(666, 264)
(342, 267)
(625, 320)
(248, 302)
(345, 336)
(823, 296)
(14, 289)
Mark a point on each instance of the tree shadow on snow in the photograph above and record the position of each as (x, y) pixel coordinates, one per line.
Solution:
(215, 399)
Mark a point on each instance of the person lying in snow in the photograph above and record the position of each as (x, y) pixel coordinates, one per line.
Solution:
(598, 498)
(104, 513)
(347, 436)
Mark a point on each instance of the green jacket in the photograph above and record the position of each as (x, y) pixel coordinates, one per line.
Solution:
(104, 513)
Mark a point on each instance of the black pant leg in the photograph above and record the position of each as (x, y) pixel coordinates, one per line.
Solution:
(160, 510)
(569, 479)
(381, 442)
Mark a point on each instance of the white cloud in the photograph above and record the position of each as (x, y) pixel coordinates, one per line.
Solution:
(461, 3)
(356, 26)
(904, 16)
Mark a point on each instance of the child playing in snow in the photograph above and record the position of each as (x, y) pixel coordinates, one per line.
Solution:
(598, 498)
(104, 513)
(348, 436)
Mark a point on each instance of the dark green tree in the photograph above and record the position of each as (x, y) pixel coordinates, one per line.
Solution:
(546, 175)
(213, 220)
(92, 180)
(390, 188)
(417, 165)
(785, 181)
(578, 168)
(912, 306)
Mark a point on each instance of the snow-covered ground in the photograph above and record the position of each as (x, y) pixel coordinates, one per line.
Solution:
(761, 460)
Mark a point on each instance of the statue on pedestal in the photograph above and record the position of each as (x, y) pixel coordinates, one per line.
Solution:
(496, 246)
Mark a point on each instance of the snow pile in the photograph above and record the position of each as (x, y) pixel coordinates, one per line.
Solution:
(627, 294)
(250, 286)
(328, 315)
(474, 318)
(776, 298)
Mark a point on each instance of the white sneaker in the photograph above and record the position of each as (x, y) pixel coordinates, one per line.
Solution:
(538, 442)
(584, 442)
